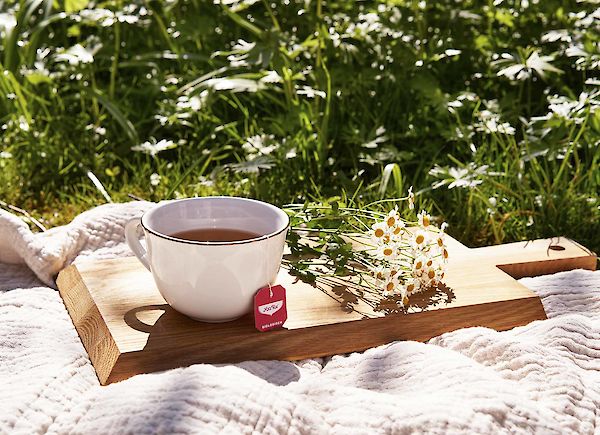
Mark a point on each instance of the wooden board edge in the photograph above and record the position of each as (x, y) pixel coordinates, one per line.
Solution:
(320, 341)
(89, 323)
(426, 325)
(537, 268)
(588, 251)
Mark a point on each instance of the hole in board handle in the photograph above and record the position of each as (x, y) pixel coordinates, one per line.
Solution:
(557, 248)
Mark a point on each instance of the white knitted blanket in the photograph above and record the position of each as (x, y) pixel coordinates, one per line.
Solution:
(541, 378)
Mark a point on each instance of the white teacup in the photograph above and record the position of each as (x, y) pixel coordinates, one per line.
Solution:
(210, 281)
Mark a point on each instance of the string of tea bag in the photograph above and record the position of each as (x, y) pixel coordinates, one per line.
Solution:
(267, 273)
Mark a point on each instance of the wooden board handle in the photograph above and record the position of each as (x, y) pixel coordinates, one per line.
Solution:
(538, 257)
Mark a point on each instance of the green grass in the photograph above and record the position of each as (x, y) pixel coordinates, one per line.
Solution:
(490, 111)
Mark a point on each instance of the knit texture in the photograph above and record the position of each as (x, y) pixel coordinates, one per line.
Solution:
(540, 378)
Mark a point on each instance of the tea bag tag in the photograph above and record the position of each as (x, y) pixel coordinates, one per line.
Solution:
(270, 310)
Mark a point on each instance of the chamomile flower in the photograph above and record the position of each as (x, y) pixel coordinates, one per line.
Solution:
(392, 218)
(379, 232)
(391, 286)
(381, 274)
(410, 261)
(440, 240)
(431, 273)
(420, 239)
(403, 293)
(424, 219)
(387, 252)
(399, 229)
(405, 300)
(419, 264)
(413, 285)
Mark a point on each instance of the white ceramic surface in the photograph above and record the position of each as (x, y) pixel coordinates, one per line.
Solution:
(210, 281)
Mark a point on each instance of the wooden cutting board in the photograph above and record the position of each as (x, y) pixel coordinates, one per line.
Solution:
(127, 328)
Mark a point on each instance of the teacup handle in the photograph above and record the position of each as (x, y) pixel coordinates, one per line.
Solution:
(132, 236)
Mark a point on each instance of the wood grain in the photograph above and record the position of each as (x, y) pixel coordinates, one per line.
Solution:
(91, 327)
(127, 328)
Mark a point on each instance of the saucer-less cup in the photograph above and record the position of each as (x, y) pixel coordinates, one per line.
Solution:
(210, 281)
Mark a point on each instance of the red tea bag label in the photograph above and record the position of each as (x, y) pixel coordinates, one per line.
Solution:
(270, 310)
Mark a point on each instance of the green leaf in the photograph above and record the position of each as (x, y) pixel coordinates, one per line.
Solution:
(37, 78)
(505, 17)
(482, 42)
(9, 84)
(74, 31)
(113, 172)
(24, 16)
(244, 23)
(75, 5)
(391, 170)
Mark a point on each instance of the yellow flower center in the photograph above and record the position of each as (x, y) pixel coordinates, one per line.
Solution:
(430, 262)
(379, 232)
(405, 300)
(420, 239)
(445, 253)
(410, 288)
(397, 230)
(379, 275)
(388, 251)
(389, 286)
(418, 265)
(391, 221)
(393, 272)
(440, 242)
(431, 274)
(425, 221)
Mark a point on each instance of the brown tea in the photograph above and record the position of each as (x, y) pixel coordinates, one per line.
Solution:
(215, 235)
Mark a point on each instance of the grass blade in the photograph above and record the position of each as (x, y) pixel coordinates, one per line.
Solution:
(116, 113)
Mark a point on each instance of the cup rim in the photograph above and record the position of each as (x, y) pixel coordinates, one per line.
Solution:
(217, 243)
